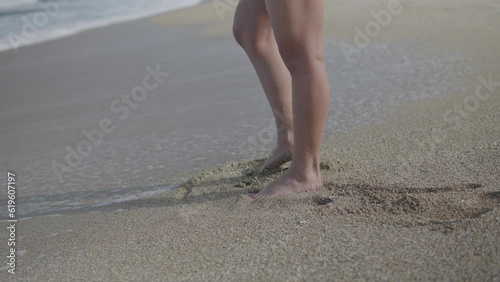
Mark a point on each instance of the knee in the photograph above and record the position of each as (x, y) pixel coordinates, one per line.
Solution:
(239, 33)
(254, 42)
(300, 55)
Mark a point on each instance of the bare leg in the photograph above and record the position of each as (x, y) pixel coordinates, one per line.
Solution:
(252, 30)
(298, 28)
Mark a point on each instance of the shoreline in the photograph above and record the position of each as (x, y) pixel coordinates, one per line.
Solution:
(94, 26)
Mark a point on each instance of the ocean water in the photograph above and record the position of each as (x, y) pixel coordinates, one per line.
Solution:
(27, 22)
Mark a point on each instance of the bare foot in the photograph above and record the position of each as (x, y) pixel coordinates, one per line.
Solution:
(279, 156)
(290, 182)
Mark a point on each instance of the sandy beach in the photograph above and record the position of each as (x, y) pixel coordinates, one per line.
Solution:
(411, 155)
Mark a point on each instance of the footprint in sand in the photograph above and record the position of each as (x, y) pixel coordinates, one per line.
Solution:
(419, 206)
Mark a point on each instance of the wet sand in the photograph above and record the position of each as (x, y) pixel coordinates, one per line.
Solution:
(411, 183)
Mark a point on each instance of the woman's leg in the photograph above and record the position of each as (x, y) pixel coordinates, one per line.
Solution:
(298, 28)
(252, 30)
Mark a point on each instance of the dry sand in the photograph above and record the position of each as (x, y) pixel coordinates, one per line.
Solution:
(412, 197)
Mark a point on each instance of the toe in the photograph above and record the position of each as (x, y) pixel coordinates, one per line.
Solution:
(257, 196)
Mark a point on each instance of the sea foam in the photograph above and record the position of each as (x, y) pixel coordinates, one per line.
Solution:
(27, 22)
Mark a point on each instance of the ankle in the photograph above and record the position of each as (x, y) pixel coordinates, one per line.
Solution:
(285, 140)
(305, 172)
